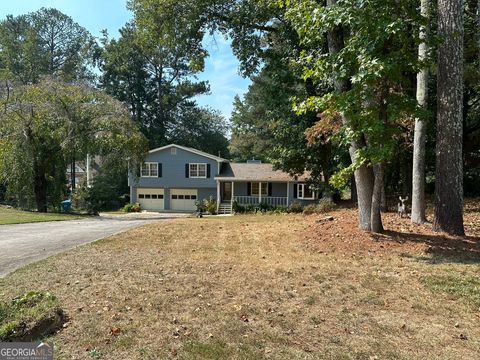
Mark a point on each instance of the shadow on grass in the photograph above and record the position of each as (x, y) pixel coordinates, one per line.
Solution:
(442, 248)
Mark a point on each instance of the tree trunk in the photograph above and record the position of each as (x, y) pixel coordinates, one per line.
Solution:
(364, 174)
(449, 165)
(376, 216)
(418, 171)
(383, 203)
(353, 190)
(40, 187)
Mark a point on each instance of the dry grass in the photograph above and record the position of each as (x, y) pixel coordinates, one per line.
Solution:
(254, 287)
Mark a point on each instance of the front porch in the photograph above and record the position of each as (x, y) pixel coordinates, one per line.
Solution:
(252, 193)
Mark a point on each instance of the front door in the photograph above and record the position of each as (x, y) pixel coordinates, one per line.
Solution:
(227, 191)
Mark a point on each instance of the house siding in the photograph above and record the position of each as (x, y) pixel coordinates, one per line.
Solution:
(173, 175)
(173, 171)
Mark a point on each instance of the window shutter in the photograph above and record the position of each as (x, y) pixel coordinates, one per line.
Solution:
(269, 189)
(159, 169)
(295, 191)
(208, 171)
(138, 170)
(249, 189)
(186, 171)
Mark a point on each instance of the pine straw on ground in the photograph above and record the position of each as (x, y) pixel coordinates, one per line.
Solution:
(267, 286)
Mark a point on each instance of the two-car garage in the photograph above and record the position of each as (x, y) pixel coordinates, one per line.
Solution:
(167, 199)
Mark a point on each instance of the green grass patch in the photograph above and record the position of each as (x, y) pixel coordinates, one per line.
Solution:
(13, 216)
(460, 286)
(30, 316)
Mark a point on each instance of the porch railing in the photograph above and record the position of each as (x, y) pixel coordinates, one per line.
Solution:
(255, 200)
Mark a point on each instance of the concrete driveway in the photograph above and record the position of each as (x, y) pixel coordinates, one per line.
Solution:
(22, 244)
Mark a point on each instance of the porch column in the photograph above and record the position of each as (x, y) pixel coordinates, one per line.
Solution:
(288, 193)
(233, 191)
(218, 195)
(260, 192)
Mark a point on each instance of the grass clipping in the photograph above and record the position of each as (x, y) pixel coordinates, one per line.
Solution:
(29, 317)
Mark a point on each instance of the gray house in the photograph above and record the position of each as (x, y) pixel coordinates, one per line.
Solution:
(174, 177)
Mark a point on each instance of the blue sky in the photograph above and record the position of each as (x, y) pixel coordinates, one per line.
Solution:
(221, 68)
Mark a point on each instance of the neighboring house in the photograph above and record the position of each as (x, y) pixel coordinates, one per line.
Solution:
(85, 171)
(174, 177)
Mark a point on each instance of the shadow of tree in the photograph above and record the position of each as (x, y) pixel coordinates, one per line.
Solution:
(441, 247)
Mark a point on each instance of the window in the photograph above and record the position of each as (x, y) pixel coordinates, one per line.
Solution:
(149, 169)
(256, 189)
(198, 170)
(304, 192)
(141, 196)
(173, 151)
(174, 197)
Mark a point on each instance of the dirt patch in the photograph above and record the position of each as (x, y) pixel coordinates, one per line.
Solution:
(31, 316)
(341, 234)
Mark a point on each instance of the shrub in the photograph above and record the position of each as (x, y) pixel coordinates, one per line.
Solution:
(237, 208)
(210, 205)
(310, 209)
(295, 207)
(132, 208)
(324, 205)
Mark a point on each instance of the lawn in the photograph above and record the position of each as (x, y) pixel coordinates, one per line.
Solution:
(12, 216)
(266, 287)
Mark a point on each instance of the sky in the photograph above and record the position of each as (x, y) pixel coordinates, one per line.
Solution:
(221, 68)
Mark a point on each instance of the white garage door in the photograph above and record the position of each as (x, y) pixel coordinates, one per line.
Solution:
(150, 199)
(183, 199)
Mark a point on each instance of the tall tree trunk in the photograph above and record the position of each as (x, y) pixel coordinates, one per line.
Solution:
(418, 171)
(353, 189)
(383, 202)
(40, 187)
(449, 165)
(376, 216)
(364, 174)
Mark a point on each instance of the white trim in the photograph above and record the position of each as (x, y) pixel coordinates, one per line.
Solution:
(194, 151)
(288, 192)
(269, 180)
(198, 171)
(149, 169)
(303, 185)
(259, 188)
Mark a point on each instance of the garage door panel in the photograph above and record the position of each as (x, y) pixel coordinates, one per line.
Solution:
(183, 199)
(151, 199)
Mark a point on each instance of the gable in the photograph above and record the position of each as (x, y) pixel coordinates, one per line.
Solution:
(192, 151)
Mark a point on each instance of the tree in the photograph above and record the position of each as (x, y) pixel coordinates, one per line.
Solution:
(154, 77)
(370, 64)
(201, 128)
(449, 161)
(44, 124)
(418, 173)
(45, 42)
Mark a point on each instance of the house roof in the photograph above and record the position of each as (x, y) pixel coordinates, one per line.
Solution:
(256, 172)
(192, 150)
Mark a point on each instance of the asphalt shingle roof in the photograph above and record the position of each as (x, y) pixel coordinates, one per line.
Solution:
(256, 172)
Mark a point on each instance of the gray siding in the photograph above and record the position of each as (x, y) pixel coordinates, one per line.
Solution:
(279, 189)
(173, 171)
(204, 194)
